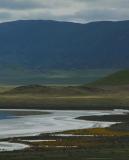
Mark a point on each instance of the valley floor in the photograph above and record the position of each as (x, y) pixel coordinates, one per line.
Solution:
(108, 144)
(80, 102)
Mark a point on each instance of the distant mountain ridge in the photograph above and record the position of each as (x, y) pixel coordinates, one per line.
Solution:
(64, 45)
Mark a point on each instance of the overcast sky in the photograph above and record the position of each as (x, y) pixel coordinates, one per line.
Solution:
(65, 10)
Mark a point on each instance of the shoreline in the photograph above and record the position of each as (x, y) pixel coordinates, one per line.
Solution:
(49, 121)
(68, 117)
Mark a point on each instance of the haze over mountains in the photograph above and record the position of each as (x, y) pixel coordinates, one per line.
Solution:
(64, 45)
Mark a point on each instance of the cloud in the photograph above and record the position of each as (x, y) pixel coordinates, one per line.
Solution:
(64, 10)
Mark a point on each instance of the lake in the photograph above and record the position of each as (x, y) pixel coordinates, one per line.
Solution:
(20, 123)
(14, 124)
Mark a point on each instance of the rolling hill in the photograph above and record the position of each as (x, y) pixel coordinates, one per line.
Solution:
(53, 90)
(115, 79)
(63, 45)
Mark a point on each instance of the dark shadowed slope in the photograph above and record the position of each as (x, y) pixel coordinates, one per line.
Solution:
(51, 44)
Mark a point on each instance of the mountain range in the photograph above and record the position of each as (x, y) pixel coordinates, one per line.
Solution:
(38, 44)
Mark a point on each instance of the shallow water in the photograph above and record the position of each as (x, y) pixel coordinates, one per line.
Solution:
(27, 124)
(7, 146)
(30, 125)
(5, 115)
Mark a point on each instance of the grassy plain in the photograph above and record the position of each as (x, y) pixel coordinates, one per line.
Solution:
(39, 101)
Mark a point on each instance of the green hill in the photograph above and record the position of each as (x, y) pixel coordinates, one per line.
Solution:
(118, 78)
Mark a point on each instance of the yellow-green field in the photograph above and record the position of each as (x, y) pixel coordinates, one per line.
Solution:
(100, 101)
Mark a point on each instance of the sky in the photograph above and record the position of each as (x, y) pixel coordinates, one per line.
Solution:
(81, 11)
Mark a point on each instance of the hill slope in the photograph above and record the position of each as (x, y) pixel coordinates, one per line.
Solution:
(118, 78)
(51, 44)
